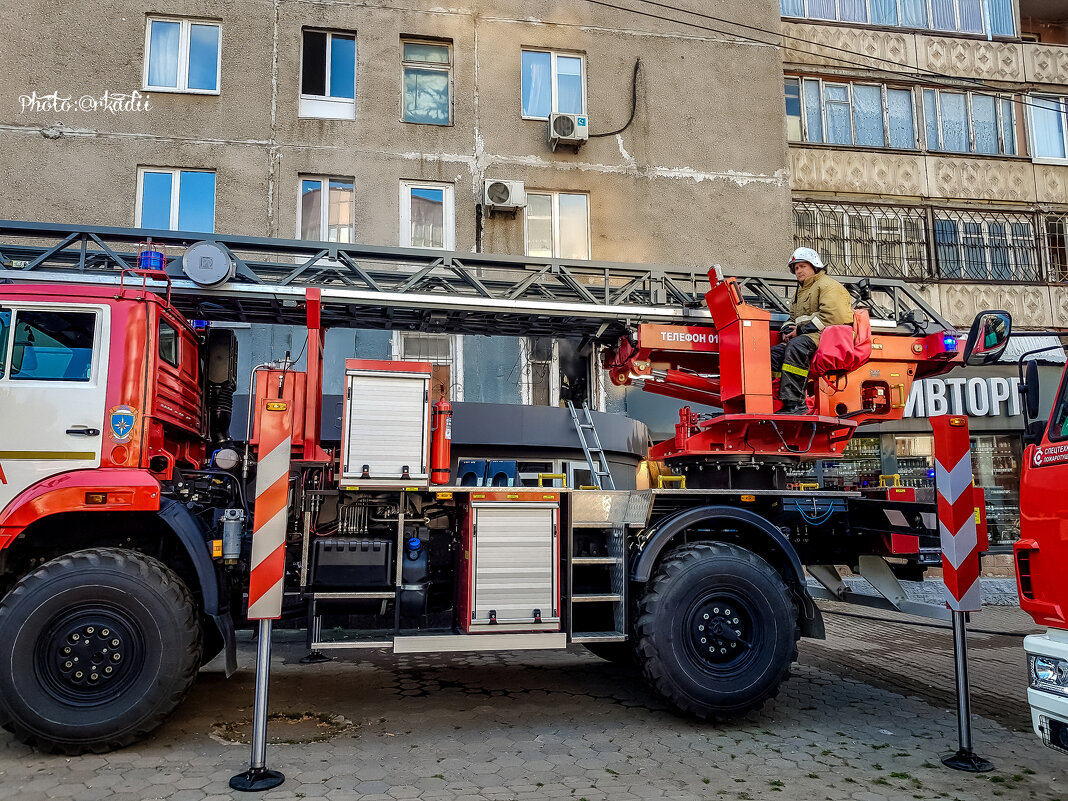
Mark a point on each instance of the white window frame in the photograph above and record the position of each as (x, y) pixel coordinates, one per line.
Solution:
(999, 121)
(324, 207)
(449, 235)
(183, 56)
(327, 107)
(456, 357)
(176, 193)
(930, 18)
(526, 387)
(554, 102)
(430, 66)
(555, 195)
(1062, 102)
(917, 118)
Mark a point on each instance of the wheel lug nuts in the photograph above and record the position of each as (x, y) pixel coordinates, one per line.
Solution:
(706, 615)
(726, 611)
(699, 628)
(703, 641)
(104, 632)
(115, 642)
(716, 610)
(108, 669)
(734, 645)
(90, 630)
(68, 665)
(116, 657)
(93, 677)
(66, 650)
(76, 637)
(735, 620)
(723, 650)
(78, 675)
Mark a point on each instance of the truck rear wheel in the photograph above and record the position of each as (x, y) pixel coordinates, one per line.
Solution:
(717, 630)
(97, 647)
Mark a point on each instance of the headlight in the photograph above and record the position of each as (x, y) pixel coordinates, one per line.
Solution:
(1048, 673)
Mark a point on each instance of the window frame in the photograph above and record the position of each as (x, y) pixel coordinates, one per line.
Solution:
(448, 212)
(987, 21)
(176, 192)
(95, 351)
(429, 66)
(327, 107)
(177, 342)
(1032, 130)
(999, 122)
(456, 357)
(884, 90)
(324, 208)
(554, 89)
(961, 246)
(184, 33)
(554, 194)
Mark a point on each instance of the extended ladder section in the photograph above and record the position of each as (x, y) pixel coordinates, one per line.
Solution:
(600, 475)
(262, 280)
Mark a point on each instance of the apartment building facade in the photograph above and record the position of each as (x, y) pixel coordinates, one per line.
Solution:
(927, 142)
(381, 123)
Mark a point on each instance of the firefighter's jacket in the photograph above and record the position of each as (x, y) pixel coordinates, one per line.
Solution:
(820, 301)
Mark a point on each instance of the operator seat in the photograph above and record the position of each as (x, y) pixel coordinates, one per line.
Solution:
(843, 348)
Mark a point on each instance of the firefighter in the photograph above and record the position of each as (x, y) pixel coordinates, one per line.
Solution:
(820, 301)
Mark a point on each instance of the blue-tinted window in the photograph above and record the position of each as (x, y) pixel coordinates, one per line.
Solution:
(537, 84)
(156, 200)
(204, 57)
(427, 78)
(1047, 125)
(182, 55)
(53, 346)
(343, 66)
(902, 126)
(965, 16)
(569, 84)
(196, 201)
(868, 115)
(163, 53)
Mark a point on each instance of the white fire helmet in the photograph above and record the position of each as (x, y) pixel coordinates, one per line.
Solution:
(809, 255)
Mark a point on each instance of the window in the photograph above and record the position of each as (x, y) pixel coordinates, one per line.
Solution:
(179, 200)
(867, 115)
(961, 16)
(883, 241)
(52, 346)
(182, 56)
(985, 247)
(540, 382)
(5, 326)
(1048, 127)
(327, 209)
(558, 225)
(328, 75)
(168, 343)
(427, 75)
(959, 122)
(427, 219)
(440, 349)
(1057, 246)
(553, 82)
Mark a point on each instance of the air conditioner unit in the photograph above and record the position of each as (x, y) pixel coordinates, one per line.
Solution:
(568, 129)
(504, 195)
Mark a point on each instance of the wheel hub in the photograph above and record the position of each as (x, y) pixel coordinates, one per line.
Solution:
(88, 655)
(720, 631)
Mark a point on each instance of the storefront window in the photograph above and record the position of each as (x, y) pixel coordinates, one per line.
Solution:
(996, 467)
(858, 467)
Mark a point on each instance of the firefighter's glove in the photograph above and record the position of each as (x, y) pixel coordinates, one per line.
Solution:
(808, 328)
(788, 330)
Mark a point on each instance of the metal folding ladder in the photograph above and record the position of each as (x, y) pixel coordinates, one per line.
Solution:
(601, 475)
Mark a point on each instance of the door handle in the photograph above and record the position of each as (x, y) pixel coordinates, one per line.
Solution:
(84, 432)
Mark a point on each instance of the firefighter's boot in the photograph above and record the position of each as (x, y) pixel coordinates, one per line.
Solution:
(792, 390)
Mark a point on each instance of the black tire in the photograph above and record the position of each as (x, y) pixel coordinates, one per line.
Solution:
(699, 590)
(105, 608)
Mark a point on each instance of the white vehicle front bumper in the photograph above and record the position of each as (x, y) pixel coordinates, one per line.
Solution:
(1048, 705)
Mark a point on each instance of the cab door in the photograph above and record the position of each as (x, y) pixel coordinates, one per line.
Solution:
(53, 379)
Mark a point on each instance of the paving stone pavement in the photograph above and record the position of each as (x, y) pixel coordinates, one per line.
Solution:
(566, 725)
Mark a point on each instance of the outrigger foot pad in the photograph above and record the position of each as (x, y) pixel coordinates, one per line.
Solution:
(256, 780)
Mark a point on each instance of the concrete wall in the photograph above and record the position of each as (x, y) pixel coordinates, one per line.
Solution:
(704, 158)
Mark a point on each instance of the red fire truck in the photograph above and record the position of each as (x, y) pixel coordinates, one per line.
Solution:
(126, 495)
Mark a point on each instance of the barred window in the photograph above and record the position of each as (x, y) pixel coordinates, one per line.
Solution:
(997, 247)
(1057, 246)
(880, 241)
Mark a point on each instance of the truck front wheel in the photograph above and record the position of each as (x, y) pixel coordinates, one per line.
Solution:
(717, 630)
(97, 647)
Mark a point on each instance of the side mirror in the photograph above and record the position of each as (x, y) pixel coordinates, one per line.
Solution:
(988, 338)
(1029, 389)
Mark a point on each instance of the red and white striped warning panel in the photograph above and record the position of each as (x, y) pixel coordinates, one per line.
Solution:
(269, 521)
(957, 514)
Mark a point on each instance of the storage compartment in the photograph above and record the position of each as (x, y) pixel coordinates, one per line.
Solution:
(385, 425)
(343, 563)
(513, 570)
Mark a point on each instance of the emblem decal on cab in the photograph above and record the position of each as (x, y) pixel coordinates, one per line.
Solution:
(121, 421)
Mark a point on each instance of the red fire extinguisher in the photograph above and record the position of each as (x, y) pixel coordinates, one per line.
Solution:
(441, 443)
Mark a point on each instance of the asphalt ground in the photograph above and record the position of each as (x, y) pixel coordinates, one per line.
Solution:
(865, 716)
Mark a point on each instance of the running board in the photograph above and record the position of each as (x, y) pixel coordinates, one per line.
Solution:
(448, 643)
(876, 572)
